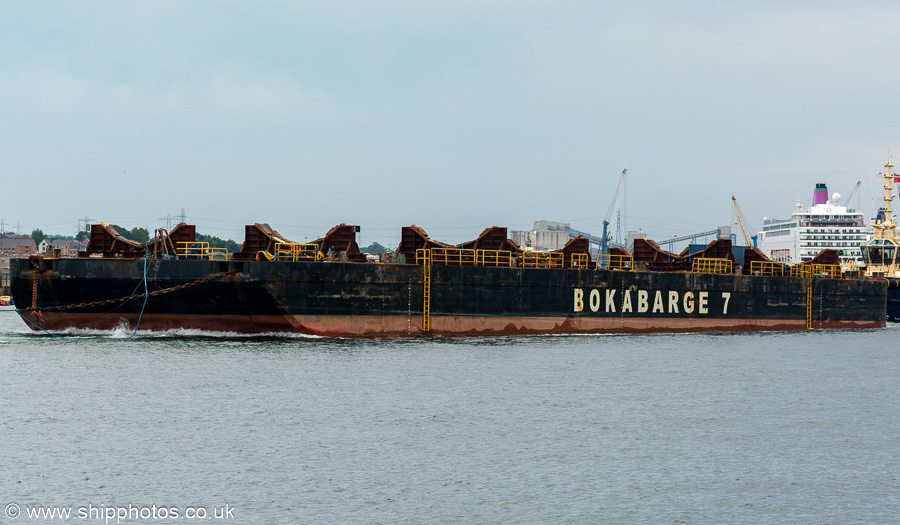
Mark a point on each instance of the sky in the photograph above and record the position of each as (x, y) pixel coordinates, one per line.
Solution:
(454, 116)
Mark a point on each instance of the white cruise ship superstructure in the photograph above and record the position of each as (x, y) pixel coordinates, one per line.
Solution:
(824, 225)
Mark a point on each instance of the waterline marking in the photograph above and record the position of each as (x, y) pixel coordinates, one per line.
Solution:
(117, 513)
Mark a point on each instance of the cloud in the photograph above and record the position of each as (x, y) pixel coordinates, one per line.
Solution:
(528, 100)
(226, 93)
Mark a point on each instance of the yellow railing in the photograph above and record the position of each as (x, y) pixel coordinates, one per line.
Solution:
(493, 258)
(450, 257)
(768, 268)
(192, 250)
(199, 250)
(830, 271)
(615, 262)
(579, 260)
(293, 251)
(218, 254)
(702, 265)
(800, 270)
(543, 260)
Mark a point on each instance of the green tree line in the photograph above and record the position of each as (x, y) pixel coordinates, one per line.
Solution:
(137, 234)
(375, 247)
(215, 242)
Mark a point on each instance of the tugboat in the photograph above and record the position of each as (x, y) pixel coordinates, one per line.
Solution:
(881, 253)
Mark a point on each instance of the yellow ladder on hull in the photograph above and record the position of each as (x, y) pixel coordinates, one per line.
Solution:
(424, 256)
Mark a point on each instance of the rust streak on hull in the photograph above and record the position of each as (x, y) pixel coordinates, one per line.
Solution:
(406, 326)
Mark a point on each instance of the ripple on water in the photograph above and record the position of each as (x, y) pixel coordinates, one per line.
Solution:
(686, 428)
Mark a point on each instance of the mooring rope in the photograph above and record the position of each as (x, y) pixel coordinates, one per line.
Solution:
(123, 299)
(146, 295)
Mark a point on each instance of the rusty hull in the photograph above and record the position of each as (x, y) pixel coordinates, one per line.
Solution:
(386, 300)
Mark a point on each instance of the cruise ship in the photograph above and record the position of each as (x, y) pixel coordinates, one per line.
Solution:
(824, 225)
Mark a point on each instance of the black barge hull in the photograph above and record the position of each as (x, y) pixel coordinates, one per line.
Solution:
(388, 300)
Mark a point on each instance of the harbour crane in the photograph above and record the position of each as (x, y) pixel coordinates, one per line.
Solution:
(853, 194)
(740, 221)
(613, 220)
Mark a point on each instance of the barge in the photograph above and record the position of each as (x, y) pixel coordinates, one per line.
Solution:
(488, 286)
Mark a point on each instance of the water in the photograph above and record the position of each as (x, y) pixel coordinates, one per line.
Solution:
(709, 428)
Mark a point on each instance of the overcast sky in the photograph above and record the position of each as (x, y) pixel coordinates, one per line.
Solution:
(454, 116)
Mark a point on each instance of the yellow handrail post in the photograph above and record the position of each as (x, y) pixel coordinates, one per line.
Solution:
(615, 262)
(192, 250)
(579, 260)
(493, 258)
(767, 268)
(295, 251)
(702, 265)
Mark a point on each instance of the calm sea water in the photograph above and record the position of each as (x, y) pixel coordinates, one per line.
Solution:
(711, 428)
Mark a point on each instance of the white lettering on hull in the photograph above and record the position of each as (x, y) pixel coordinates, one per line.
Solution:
(686, 302)
(610, 305)
(595, 300)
